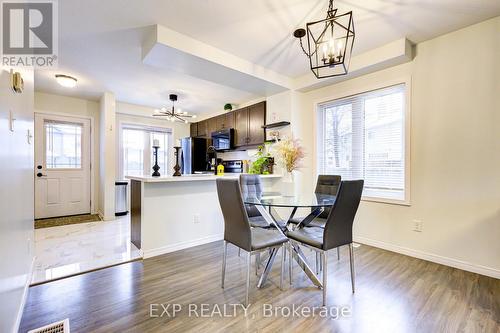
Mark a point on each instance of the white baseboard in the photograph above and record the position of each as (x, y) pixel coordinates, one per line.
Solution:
(181, 245)
(25, 296)
(463, 265)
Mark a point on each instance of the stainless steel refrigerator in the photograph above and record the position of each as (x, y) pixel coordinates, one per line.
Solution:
(194, 155)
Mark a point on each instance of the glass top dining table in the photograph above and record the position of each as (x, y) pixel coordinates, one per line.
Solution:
(270, 200)
(275, 199)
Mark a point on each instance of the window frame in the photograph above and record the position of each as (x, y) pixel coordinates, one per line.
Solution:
(147, 156)
(365, 88)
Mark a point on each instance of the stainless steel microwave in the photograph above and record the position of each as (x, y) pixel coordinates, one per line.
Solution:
(223, 139)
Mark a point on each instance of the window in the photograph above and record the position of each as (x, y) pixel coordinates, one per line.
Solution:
(63, 145)
(363, 137)
(137, 152)
(133, 152)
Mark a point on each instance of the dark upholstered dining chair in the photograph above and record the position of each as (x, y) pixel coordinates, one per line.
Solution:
(252, 185)
(326, 184)
(238, 232)
(337, 230)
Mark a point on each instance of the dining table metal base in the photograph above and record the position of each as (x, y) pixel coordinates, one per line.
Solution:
(297, 253)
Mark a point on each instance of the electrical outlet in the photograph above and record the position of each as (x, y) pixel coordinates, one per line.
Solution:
(418, 225)
(196, 218)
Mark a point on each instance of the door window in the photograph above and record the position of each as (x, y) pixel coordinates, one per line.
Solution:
(63, 145)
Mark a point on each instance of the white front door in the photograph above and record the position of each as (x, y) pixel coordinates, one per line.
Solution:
(62, 166)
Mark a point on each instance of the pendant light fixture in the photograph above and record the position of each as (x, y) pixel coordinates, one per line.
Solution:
(173, 114)
(329, 43)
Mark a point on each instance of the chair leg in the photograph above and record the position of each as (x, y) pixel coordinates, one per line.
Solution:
(351, 259)
(239, 252)
(338, 253)
(257, 263)
(248, 278)
(290, 260)
(224, 263)
(283, 252)
(325, 276)
(317, 262)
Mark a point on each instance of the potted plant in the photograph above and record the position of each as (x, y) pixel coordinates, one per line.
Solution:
(228, 107)
(263, 164)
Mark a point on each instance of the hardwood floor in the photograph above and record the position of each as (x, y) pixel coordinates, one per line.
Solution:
(394, 293)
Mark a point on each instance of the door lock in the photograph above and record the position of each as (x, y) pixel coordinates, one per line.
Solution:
(40, 175)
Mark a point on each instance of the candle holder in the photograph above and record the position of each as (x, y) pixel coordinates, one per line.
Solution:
(177, 167)
(156, 167)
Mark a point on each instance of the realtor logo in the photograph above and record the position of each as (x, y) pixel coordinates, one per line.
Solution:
(29, 33)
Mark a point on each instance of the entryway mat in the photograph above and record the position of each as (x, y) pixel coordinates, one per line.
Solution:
(65, 220)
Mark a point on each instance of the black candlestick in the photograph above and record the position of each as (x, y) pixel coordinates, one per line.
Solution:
(156, 167)
(177, 167)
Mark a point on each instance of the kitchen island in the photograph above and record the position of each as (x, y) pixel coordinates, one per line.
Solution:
(172, 213)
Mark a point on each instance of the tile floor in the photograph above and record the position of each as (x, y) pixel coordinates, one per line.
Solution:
(71, 249)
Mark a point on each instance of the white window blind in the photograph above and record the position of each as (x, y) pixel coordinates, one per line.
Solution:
(137, 153)
(362, 137)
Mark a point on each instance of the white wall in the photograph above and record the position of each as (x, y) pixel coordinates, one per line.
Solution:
(16, 199)
(107, 156)
(455, 151)
(78, 107)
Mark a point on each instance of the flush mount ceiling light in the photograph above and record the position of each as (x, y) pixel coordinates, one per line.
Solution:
(173, 114)
(66, 80)
(329, 43)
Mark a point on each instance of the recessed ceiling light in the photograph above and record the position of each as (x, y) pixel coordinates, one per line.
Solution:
(66, 80)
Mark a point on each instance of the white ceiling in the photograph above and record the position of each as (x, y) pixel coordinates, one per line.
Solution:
(100, 41)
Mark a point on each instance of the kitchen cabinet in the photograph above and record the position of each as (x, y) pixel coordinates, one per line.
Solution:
(193, 129)
(247, 122)
(241, 127)
(212, 126)
(225, 121)
(248, 125)
(256, 119)
(203, 129)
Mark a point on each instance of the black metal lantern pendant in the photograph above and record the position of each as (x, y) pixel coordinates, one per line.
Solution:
(329, 43)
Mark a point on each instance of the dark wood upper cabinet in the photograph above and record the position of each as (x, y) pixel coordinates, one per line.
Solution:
(247, 123)
(221, 121)
(241, 127)
(193, 129)
(225, 121)
(229, 121)
(212, 126)
(203, 129)
(256, 119)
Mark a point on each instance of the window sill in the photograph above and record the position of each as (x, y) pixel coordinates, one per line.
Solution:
(387, 201)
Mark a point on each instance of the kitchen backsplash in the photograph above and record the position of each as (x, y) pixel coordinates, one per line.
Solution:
(244, 155)
(238, 155)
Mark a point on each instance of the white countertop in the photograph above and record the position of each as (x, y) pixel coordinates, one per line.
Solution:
(189, 178)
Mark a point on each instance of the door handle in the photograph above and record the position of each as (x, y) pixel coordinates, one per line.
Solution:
(40, 175)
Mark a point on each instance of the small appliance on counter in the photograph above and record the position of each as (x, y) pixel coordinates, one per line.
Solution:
(235, 166)
(223, 140)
